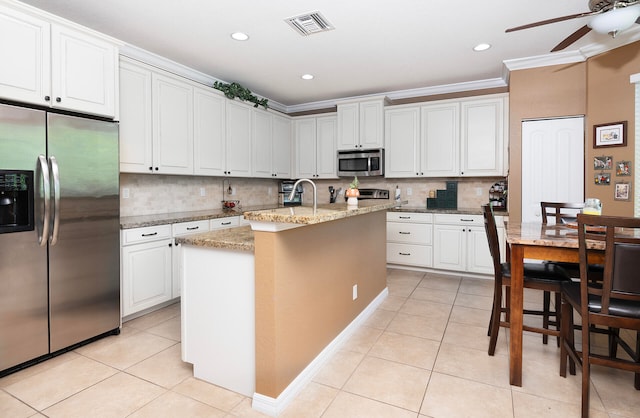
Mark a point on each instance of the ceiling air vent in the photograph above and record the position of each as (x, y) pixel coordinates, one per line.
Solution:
(309, 23)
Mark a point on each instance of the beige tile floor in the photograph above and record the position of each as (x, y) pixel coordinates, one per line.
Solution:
(421, 354)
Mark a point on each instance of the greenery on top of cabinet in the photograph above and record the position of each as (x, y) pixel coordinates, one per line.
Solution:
(234, 90)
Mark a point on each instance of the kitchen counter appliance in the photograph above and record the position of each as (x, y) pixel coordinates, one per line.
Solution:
(285, 190)
(59, 233)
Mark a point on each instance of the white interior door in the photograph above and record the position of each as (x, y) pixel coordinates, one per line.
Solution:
(552, 163)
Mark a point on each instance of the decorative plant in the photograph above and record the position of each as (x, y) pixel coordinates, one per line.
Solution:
(353, 191)
(234, 90)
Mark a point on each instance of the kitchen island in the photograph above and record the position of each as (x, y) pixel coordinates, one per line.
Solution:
(264, 306)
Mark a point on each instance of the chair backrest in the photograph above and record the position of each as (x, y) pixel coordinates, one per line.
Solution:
(492, 237)
(559, 210)
(620, 237)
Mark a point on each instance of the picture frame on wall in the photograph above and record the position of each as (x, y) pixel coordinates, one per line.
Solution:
(610, 134)
(623, 168)
(604, 162)
(602, 179)
(622, 191)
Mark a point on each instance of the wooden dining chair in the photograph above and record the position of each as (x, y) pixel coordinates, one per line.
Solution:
(545, 277)
(608, 305)
(558, 210)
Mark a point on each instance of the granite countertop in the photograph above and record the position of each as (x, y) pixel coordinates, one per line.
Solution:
(460, 211)
(128, 222)
(239, 238)
(304, 214)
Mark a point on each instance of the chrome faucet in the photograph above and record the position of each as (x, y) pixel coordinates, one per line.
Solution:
(315, 193)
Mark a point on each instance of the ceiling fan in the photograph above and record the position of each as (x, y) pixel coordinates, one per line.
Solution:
(611, 16)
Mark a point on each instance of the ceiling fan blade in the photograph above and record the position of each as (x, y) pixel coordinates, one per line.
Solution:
(554, 20)
(572, 38)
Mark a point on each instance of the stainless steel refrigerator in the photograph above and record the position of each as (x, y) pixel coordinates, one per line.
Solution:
(59, 233)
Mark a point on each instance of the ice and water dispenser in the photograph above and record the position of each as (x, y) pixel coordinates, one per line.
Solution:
(16, 201)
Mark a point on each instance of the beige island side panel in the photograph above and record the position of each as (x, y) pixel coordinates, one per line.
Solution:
(304, 287)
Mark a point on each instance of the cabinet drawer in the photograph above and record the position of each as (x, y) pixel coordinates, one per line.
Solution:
(228, 222)
(450, 219)
(193, 227)
(409, 233)
(408, 254)
(145, 234)
(409, 217)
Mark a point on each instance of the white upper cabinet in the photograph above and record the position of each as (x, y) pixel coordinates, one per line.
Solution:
(208, 132)
(361, 124)
(172, 125)
(449, 138)
(55, 65)
(271, 145)
(402, 130)
(136, 119)
(483, 149)
(239, 119)
(156, 121)
(440, 133)
(315, 147)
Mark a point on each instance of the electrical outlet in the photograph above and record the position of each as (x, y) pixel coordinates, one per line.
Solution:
(125, 193)
(409, 191)
(203, 192)
(270, 192)
(478, 191)
(355, 291)
(233, 190)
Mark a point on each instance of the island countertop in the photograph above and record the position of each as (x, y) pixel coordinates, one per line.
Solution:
(304, 214)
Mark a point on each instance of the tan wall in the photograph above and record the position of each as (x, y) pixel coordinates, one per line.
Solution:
(304, 281)
(611, 98)
(543, 92)
(600, 90)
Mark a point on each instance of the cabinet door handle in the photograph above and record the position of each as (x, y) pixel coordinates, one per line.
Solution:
(47, 98)
(404, 233)
(58, 100)
(466, 220)
(150, 235)
(404, 217)
(193, 228)
(226, 223)
(404, 253)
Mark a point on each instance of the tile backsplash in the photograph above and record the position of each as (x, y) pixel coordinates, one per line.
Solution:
(155, 194)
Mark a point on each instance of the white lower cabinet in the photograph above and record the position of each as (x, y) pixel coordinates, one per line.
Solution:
(179, 230)
(146, 268)
(453, 242)
(152, 261)
(460, 243)
(409, 239)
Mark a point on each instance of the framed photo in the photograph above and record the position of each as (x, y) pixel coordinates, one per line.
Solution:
(602, 179)
(622, 191)
(603, 163)
(610, 135)
(623, 168)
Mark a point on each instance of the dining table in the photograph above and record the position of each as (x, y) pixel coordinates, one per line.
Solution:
(551, 242)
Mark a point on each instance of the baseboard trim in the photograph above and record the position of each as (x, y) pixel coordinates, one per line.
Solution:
(274, 406)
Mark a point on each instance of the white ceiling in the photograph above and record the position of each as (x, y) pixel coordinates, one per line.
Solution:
(377, 46)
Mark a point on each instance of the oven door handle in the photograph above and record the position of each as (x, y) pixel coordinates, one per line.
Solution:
(55, 173)
(44, 209)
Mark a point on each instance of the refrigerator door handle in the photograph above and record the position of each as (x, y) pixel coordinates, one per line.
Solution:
(55, 173)
(42, 225)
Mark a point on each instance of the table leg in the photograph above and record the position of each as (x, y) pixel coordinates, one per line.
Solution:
(515, 321)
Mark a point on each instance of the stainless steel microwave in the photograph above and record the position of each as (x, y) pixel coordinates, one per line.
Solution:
(361, 163)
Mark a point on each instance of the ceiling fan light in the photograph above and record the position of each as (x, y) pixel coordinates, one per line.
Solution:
(615, 20)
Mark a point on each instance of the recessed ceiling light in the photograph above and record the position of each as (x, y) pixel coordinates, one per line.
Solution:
(481, 47)
(239, 36)
(307, 76)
